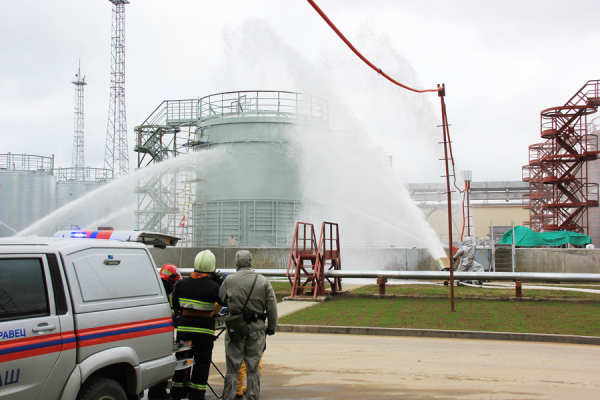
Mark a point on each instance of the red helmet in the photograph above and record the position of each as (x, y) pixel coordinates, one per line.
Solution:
(170, 273)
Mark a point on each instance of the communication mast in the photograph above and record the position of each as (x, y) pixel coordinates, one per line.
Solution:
(116, 157)
(78, 153)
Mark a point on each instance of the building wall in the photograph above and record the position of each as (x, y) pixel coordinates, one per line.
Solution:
(500, 215)
(394, 259)
(437, 217)
(594, 212)
(482, 217)
(582, 261)
(353, 258)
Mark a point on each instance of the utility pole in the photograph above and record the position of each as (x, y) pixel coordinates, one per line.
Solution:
(441, 94)
(116, 156)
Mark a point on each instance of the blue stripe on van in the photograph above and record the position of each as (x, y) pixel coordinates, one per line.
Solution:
(31, 346)
(123, 331)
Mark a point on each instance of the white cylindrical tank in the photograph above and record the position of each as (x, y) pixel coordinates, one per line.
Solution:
(27, 190)
(252, 191)
(74, 183)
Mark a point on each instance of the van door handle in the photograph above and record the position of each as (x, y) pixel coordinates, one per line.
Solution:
(44, 327)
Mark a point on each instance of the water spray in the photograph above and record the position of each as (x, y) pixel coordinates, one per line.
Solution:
(443, 262)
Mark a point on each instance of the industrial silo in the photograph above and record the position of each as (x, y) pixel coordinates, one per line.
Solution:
(74, 183)
(251, 193)
(27, 190)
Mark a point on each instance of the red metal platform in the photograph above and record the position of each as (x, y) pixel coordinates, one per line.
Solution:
(308, 260)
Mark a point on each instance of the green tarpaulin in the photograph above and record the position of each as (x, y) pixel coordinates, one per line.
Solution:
(525, 237)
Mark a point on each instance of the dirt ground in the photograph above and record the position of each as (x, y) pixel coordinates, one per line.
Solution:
(319, 366)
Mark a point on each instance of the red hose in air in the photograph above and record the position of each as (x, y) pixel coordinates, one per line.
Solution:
(378, 70)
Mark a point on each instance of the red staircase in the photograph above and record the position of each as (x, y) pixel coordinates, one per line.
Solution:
(328, 259)
(308, 262)
(559, 193)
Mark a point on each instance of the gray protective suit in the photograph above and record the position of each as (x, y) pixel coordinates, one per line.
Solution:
(467, 257)
(234, 292)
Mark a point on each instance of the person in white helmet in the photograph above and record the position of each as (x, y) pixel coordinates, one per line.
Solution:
(195, 297)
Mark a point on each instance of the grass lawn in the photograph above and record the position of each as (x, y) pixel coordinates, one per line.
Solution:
(282, 289)
(428, 307)
(465, 292)
(477, 315)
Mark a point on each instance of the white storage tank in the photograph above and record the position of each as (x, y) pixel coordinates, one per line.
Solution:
(253, 191)
(74, 183)
(27, 190)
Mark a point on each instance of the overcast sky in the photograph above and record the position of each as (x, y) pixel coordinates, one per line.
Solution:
(502, 63)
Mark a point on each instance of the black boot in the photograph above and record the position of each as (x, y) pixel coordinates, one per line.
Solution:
(158, 392)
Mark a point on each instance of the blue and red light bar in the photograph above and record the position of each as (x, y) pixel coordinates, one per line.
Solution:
(155, 239)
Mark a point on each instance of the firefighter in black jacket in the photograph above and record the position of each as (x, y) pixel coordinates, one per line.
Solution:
(195, 297)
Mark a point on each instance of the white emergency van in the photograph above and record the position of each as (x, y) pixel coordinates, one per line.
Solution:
(83, 319)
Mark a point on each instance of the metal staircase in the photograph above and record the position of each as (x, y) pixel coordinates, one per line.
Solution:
(309, 262)
(503, 258)
(560, 195)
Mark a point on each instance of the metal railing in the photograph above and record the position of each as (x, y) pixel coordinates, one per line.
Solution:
(436, 275)
(591, 190)
(538, 151)
(180, 112)
(84, 174)
(526, 172)
(263, 103)
(171, 113)
(591, 143)
(26, 162)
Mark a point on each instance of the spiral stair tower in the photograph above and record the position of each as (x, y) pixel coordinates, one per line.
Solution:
(559, 192)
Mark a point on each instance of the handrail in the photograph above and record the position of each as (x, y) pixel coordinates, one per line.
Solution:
(26, 162)
(324, 255)
(262, 103)
(84, 174)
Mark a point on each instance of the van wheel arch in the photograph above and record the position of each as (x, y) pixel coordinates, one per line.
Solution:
(122, 374)
(102, 389)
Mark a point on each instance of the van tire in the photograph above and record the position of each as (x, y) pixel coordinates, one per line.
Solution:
(102, 389)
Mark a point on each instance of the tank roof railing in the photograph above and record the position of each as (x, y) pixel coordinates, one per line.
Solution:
(262, 103)
(192, 112)
(26, 162)
(85, 174)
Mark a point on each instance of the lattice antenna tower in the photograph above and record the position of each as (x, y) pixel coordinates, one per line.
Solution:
(78, 152)
(116, 157)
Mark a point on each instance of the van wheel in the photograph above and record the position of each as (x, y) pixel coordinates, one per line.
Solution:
(102, 389)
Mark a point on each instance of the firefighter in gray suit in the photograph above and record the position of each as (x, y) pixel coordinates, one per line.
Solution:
(261, 316)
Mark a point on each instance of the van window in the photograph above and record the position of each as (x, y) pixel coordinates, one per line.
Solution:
(129, 273)
(22, 288)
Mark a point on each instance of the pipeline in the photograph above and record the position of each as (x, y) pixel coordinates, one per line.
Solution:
(462, 233)
(436, 275)
(565, 289)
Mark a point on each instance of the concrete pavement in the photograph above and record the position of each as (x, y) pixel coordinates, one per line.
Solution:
(321, 366)
(288, 307)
